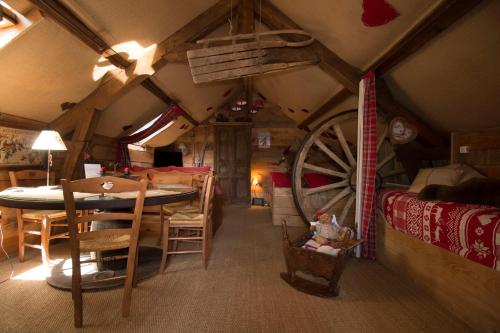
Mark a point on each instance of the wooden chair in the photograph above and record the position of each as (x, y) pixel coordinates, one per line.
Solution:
(46, 219)
(200, 223)
(157, 214)
(103, 240)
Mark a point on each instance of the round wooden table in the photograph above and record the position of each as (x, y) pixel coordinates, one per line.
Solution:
(149, 256)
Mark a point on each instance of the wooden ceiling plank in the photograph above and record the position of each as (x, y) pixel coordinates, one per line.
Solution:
(335, 100)
(10, 120)
(447, 13)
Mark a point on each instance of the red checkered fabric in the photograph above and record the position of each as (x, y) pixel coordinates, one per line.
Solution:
(369, 146)
(122, 154)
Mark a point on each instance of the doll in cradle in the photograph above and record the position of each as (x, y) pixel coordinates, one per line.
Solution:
(325, 230)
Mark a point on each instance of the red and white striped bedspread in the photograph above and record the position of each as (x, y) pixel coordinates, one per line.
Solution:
(471, 231)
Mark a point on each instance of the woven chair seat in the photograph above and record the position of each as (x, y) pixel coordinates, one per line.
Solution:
(104, 240)
(193, 219)
(41, 214)
(171, 209)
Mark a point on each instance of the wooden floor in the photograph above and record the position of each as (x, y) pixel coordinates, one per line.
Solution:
(240, 292)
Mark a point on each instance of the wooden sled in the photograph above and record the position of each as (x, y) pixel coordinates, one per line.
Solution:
(316, 264)
(248, 54)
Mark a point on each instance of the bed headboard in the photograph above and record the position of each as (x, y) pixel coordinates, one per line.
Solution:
(479, 149)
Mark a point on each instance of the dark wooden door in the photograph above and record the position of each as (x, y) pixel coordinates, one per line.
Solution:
(232, 161)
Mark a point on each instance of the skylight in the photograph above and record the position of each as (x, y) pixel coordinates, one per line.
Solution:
(12, 23)
(140, 144)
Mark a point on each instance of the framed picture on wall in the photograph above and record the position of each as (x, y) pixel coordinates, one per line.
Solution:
(15, 147)
(264, 139)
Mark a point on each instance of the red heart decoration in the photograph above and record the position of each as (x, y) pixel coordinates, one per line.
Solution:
(377, 12)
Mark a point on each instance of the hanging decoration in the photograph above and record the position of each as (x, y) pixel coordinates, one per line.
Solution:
(250, 54)
(377, 13)
(366, 166)
(402, 132)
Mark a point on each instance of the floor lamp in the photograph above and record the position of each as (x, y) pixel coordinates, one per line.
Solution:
(49, 140)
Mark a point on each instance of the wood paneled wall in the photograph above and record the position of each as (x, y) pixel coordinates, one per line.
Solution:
(483, 150)
(264, 160)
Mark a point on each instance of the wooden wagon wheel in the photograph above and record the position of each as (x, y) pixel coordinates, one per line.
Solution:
(330, 149)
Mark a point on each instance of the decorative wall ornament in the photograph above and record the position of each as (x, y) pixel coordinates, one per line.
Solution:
(377, 13)
(264, 140)
(401, 132)
(15, 147)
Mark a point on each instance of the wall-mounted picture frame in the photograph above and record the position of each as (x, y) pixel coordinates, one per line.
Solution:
(264, 140)
(15, 147)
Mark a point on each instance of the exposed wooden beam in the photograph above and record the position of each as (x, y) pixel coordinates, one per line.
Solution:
(70, 21)
(335, 100)
(246, 24)
(158, 92)
(113, 85)
(349, 76)
(393, 109)
(198, 28)
(7, 14)
(10, 120)
(447, 13)
(117, 82)
(330, 62)
(81, 137)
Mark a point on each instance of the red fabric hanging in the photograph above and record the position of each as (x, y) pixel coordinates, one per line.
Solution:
(377, 12)
(369, 167)
(122, 154)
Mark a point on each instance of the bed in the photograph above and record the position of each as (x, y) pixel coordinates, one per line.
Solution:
(450, 251)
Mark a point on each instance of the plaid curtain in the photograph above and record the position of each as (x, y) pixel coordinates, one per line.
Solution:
(122, 154)
(369, 155)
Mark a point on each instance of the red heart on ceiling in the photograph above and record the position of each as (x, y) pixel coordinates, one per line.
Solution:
(378, 12)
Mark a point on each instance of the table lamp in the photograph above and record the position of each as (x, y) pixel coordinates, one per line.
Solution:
(48, 140)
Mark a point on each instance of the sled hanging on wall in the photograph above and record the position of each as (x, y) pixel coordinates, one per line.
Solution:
(248, 55)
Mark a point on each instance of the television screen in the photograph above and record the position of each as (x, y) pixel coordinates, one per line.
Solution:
(167, 158)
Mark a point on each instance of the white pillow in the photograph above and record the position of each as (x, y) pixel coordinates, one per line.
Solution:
(440, 176)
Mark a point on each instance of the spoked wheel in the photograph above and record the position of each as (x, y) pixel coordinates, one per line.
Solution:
(330, 149)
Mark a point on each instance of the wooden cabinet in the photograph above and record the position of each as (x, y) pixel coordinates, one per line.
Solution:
(233, 152)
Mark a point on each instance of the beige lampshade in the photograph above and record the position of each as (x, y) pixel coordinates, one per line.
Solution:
(49, 140)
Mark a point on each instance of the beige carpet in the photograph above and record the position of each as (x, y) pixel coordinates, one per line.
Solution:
(240, 292)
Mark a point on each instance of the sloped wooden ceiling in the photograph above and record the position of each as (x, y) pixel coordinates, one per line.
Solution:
(444, 82)
(43, 67)
(453, 81)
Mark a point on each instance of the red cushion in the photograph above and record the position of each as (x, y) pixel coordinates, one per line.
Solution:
(316, 180)
(281, 179)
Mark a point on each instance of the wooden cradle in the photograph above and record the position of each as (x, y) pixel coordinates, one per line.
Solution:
(317, 264)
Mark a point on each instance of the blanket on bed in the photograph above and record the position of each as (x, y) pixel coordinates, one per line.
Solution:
(471, 231)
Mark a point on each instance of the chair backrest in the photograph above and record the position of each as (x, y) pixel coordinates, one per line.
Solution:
(30, 177)
(208, 200)
(170, 177)
(104, 185)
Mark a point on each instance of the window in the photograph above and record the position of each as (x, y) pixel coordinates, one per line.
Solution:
(140, 145)
(12, 23)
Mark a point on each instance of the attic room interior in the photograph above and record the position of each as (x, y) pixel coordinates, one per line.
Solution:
(250, 166)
